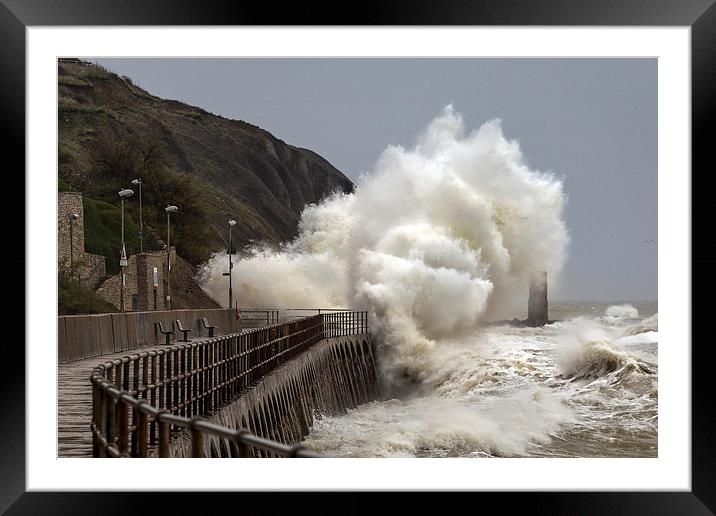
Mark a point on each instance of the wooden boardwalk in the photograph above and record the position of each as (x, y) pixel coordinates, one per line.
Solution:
(74, 403)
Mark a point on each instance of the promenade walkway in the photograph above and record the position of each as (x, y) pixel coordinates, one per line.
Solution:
(74, 405)
(180, 382)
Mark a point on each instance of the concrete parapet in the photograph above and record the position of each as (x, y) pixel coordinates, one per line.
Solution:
(106, 335)
(85, 336)
(131, 331)
(119, 332)
(62, 344)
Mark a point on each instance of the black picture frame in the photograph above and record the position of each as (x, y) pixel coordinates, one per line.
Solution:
(700, 15)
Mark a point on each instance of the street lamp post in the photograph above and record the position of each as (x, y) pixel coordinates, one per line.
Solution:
(123, 256)
(138, 181)
(73, 218)
(169, 210)
(232, 223)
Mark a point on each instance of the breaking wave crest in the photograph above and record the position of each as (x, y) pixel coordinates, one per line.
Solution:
(435, 239)
(589, 351)
(597, 360)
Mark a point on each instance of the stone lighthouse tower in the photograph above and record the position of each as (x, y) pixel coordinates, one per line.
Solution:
(537, 304)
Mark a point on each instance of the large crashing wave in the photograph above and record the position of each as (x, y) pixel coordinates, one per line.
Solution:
(436, 238)
(589, 350)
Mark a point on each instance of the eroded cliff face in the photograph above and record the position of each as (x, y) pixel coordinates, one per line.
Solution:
(213, 168)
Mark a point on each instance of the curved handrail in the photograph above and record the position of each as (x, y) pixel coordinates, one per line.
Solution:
(140, 398)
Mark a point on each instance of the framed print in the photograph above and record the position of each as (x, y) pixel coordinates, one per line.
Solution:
(425, 246)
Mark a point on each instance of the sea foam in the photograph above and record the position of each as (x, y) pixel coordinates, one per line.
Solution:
(435, 239)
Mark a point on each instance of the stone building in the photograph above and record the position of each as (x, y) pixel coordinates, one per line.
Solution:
(88, 268)
(144, 283)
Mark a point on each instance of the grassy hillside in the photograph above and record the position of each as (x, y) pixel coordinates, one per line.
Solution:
(103, 232)
(212, 168)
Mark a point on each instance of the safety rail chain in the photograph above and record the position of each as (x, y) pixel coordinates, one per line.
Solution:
(139, 399)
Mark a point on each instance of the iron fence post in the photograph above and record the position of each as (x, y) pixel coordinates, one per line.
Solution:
(123, 444)
(197, 440)
(245, 450)
(164, 451)
(142, 434)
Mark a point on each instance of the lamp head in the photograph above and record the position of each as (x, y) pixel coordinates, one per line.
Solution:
(137, 181)
(232, 222)
(126, 193)
(75, 216)
(171, 209)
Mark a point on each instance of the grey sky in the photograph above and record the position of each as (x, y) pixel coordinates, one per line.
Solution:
(592, 121)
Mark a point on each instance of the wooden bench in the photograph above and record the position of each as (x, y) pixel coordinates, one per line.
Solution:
(167, 333)
(205, 324)
(184, 331)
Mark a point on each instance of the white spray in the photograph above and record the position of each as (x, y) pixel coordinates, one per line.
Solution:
(435, 239)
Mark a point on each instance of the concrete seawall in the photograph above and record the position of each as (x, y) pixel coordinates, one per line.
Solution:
(333, 375)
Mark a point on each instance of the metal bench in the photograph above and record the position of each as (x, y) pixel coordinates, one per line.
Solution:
(205, 324)
(185, 332)
(167, 333)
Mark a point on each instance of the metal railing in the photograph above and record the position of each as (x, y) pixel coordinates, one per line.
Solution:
(140, 399)
(258, 318)
(288, 314)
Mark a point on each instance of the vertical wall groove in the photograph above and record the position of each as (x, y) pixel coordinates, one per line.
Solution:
(334, 375)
